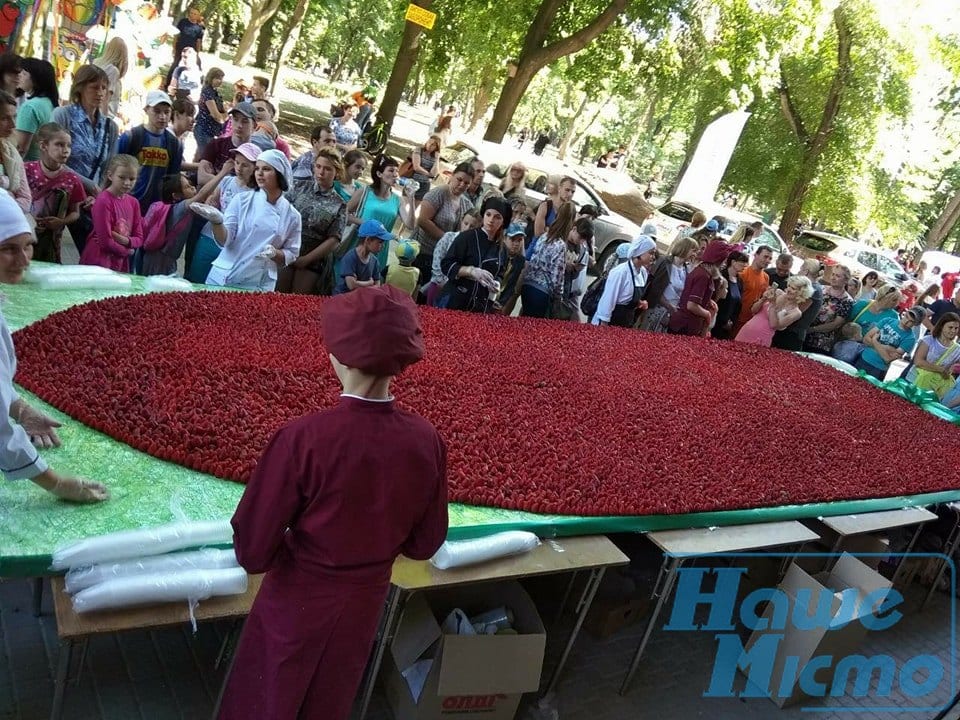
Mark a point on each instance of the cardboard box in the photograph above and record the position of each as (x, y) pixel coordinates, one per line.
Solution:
(837, 638)
(464, 676)
(607, 617)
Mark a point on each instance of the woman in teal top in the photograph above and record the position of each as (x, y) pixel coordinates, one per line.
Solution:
(378, 201)
(868, 313)
(354, 163)
(38, 82)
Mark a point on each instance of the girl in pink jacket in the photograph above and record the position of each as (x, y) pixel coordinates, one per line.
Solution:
(117, 225)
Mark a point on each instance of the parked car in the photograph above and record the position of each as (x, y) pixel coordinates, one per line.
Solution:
(609, 230)
(861, 258)
(675, 215)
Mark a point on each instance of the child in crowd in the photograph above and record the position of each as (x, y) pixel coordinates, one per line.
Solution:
(57, 191)
(360, 267)
(158, 152)
(184, 118)
(513, 264)
(169, 223)
(471, 220)
(404, 275)
(117, 223)
(849, 348)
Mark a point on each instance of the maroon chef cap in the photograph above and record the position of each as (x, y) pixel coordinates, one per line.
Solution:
(373, 329)
(716, 252)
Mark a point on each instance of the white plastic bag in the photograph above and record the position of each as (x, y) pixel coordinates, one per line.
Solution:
(468, 552)
(130, 544)
(85, 282)
(162, 283)
(210, 559)
(191, 585)
(35, 272)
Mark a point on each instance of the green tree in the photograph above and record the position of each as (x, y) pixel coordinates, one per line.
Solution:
(809, 144)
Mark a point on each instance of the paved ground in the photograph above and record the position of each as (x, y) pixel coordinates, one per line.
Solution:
(166, 674)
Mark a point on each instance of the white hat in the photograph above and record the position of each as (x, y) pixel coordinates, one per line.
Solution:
(643, 244)
(649, 229)
(278, 161)
(12, 220)
(158, 97)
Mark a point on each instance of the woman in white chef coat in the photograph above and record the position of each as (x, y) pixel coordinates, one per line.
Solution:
(260, 232)
(21, 424)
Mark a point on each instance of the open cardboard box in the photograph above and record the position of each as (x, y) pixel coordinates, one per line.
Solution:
(469, 676)
(838, 638)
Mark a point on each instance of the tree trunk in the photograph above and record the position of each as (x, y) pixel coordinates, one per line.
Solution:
(260, 12)
(406, 57)
(814, 145)
(264, 42)
(291, 33)
(571, 128)
(216, 35)
(481, 100)
(535, 55)
(942, 227)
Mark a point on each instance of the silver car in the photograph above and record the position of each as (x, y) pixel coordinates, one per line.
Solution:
(609, 229)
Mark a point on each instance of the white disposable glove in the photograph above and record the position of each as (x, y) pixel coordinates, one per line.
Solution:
(269, 252)
(485, 278)
(80, 491)
(41, 428)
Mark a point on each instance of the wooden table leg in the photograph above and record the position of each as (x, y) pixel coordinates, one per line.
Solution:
(60, 681)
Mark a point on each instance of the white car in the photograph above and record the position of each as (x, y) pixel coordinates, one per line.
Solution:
(674, 215)
(861, 258)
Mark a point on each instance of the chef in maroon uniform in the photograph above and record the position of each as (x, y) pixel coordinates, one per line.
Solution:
(335, 498)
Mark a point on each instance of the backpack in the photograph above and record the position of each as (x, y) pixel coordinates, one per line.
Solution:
(159, 236)
(591, 298)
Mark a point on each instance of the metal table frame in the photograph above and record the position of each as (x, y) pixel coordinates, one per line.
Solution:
(681, 545)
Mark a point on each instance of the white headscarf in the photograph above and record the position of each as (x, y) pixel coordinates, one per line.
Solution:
(12, 220)
(278, 161)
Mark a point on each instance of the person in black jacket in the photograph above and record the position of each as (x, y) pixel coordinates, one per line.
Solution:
(474, 263)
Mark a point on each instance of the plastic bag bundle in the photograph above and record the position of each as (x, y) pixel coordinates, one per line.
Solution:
(35, 273)
(468, 552)
(129, 544)
(162, 283)
(81, 578)
(85, 282)
(191, 585)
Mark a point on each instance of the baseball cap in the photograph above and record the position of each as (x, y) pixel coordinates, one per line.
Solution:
(158, 97)
(250, 151)
(516, 229)
(712, 226)
(246, 109)
(374, 229)
(407, 250)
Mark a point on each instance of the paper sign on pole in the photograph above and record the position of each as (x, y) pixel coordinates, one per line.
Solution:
(700, 182)
(420, 16)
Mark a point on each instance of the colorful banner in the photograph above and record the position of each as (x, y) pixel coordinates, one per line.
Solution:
(13, 13)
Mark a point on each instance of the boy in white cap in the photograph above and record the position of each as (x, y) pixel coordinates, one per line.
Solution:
(403, 275)
(156, 149)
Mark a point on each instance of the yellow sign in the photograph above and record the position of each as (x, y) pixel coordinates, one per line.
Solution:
(419, 16)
